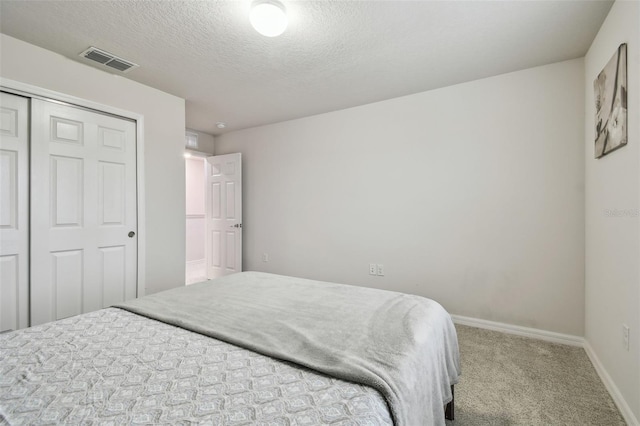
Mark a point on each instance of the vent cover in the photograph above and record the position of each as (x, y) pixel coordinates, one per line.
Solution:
(191, 140)
(108, 59)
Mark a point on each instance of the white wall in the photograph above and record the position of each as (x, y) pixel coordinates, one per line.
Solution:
(613, 241)
(471, 195)
(164, 124)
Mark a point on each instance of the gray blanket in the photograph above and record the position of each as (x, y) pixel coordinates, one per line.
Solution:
(113, 367)
(401, 345)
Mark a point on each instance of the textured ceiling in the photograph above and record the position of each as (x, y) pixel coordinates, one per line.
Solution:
(334, 55)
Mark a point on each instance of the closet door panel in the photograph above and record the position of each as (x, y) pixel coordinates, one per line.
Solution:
(14, 212)
(113, 267)
(9, 292)
(66, 191)
(85, 207)
(8, 189)
(67, 273)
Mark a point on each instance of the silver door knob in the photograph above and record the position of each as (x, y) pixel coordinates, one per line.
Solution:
(131, 234)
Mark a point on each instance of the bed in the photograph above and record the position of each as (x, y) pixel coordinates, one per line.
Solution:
(248, 348)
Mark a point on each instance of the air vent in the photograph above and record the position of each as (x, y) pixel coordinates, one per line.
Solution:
(98, 57)
(191, 140)
(108, 59)
(120, 65)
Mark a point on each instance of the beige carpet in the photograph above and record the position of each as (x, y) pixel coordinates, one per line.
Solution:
(512, 380)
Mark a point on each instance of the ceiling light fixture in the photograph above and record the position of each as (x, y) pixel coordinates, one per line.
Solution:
(268, 17)
(221, 124)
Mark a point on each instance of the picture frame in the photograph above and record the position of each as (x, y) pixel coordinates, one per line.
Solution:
(610, 89)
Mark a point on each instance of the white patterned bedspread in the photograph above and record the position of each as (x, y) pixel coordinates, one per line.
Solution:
(115, 367)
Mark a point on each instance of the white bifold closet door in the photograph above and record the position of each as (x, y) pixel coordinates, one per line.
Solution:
(14, 212)
(83, 250)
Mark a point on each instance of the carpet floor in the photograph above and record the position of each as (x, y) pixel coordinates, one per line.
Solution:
(513, 380)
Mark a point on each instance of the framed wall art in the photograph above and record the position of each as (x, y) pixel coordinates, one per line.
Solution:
(611, 104)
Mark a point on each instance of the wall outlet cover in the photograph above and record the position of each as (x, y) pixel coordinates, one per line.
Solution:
(625, 336)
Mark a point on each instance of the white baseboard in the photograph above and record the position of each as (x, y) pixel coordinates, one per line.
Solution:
(534, 333)
(566, 339)
(619, 400)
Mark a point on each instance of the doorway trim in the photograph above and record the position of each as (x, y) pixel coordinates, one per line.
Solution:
(31, 91)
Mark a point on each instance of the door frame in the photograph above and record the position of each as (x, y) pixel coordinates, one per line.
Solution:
(31, 91)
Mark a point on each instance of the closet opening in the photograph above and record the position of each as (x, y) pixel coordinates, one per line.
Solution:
(195, 218)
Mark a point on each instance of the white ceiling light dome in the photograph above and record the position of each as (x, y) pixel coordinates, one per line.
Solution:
(268, 17)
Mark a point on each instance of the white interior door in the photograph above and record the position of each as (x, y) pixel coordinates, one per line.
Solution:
(14, 212)
(83, 211)
(223, 215)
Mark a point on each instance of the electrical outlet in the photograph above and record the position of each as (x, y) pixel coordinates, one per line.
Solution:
(380, 270)
(265, 257)
(373, 270)
(625, 336)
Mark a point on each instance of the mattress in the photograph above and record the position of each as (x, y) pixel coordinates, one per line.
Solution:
(116, 367)
(248, 348)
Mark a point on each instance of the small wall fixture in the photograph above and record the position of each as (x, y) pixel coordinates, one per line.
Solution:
(268, 17)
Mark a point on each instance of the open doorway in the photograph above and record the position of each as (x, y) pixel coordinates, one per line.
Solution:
(195, 222)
